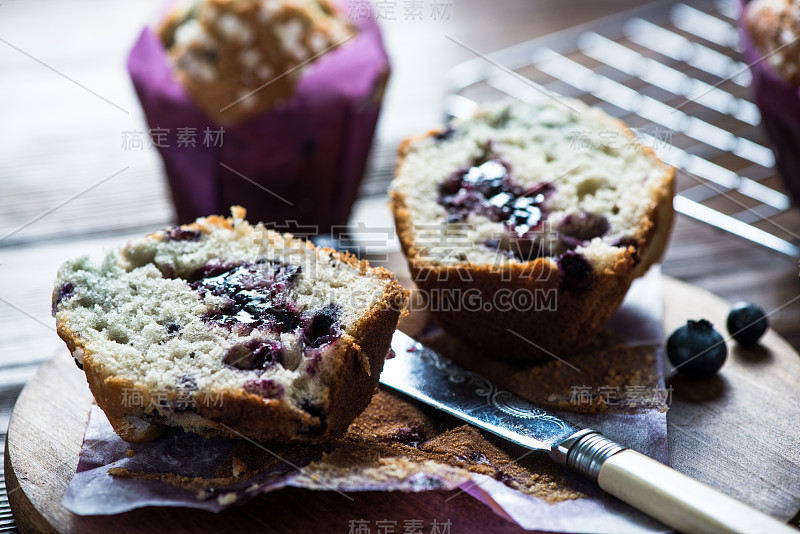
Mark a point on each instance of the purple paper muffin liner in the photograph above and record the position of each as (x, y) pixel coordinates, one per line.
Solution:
(779, 102)
(299, 163)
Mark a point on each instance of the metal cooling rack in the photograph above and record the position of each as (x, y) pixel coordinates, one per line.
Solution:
(672, 71)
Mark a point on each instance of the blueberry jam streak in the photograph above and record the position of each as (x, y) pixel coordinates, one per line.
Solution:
(176, 233)
(576, 271)
(445, 135)
(254, 354)
(67, 290)
(183, 400)
(411, 436)
(187, 383)
(256, 294)
(487, 189)
(578, 228)
(265, 387)
(322, 327)
(313, 359)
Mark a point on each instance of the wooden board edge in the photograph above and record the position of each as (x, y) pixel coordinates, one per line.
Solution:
(22, 509)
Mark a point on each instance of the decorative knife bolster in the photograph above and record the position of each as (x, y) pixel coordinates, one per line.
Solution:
(585, 451)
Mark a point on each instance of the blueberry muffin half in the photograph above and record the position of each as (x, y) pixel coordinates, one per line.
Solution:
(525, 224)
(224, 328)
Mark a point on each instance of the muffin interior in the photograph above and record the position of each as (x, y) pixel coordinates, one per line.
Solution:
(527, 180)
(203, 311)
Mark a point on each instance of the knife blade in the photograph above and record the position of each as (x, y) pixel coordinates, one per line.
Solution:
(674, 499)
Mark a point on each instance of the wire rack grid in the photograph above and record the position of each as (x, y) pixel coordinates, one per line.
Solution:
(673, 73)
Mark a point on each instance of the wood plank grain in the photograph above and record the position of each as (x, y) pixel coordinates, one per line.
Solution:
(738, 430)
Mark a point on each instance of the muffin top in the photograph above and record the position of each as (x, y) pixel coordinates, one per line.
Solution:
(775, 28)
(240, 58)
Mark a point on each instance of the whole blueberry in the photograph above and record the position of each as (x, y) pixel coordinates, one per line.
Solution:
(746, 323)
(696, 350)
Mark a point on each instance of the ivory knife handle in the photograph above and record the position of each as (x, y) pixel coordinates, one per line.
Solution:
(679, 501)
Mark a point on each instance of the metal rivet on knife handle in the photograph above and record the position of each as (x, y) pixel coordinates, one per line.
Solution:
(585, 452)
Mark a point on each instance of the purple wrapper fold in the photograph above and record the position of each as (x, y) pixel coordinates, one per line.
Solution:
(191, 455)
(302, 161)
(93, 491)
(779, 103)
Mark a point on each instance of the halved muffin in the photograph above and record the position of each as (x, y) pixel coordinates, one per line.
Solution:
(525, 224)
(224, 328)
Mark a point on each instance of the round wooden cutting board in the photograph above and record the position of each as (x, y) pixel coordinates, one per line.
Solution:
(737, 432)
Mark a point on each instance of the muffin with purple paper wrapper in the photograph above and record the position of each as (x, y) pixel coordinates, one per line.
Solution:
(270, 104)
(771, 43)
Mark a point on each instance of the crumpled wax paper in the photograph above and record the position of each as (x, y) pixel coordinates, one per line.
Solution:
(299, 163)
(93, 491)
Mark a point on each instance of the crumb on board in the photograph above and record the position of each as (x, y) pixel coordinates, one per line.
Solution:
(238, 467)
(227, 499)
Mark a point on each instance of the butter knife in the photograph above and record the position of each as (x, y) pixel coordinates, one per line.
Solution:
(661, 492)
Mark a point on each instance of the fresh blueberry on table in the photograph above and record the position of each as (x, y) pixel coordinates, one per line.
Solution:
(696, 350)
(746, 323)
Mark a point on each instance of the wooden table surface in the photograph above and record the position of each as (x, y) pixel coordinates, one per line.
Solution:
(68, 186)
